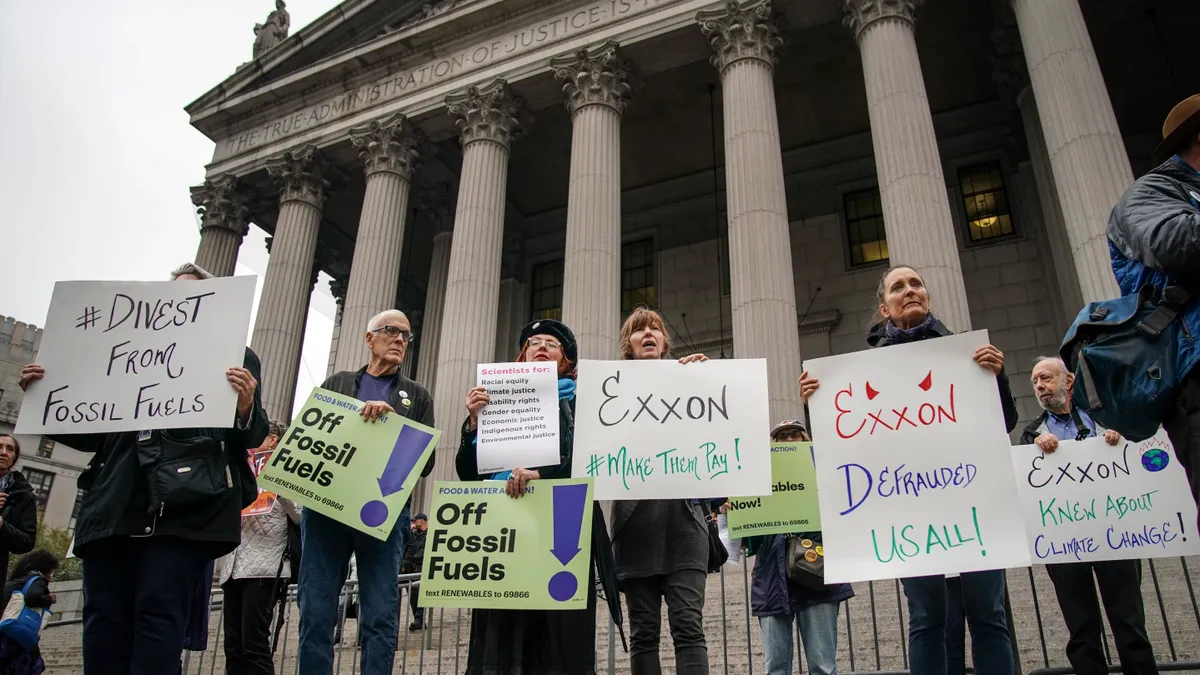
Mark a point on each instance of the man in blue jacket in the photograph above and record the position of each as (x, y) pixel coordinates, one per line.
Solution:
(1154, 238)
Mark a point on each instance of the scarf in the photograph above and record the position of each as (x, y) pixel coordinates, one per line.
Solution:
(897, 335)
(566, 389)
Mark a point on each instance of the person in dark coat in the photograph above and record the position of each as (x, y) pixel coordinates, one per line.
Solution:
(776, 600)
(18, 505)
(904, 317)
(328, 544)
(414, 558)
(142, 565)
(38, 566)
(1154, 239)
(661, 545)
(539, 642)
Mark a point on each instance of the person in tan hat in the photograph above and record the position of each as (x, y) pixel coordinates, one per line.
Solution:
(1154, 238)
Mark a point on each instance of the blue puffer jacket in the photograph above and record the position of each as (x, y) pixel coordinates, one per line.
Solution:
(1154, 238)
(771, 592)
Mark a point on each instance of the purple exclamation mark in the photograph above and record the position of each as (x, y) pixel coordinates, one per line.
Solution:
(568, 502)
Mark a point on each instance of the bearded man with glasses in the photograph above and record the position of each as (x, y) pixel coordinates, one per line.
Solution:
(328, 544)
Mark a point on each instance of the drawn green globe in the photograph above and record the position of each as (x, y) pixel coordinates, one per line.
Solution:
(1155, 459)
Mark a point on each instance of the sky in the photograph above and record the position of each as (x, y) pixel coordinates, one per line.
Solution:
(98, 153)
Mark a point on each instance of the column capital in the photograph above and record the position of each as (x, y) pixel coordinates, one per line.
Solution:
(300, 175)
(223, 203)
(741, 30)
(388, 145)
(596, 76)
(488, 113)
(862, 13)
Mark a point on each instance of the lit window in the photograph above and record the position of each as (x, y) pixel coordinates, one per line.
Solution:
(41, 482)
(637, 275)
(985, 201)
(864, 227)
(546, 302)
(45, 448)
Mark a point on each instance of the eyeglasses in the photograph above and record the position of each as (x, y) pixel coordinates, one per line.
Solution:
(395, 332)
(536, 342)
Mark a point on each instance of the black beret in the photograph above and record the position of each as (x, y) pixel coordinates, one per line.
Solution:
(556, 328)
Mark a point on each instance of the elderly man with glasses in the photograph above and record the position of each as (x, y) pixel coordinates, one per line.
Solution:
(328, 544)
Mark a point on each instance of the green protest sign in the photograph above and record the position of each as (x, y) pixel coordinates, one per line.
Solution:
(336, 463)
(792, 506)
(485, 549)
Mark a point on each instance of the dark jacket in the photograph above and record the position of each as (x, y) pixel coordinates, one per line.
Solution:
(771, 592)
(418, 409)
(117, 501)
(38, 596)
(877, 337)
(1039, 426)
(1154, 238)
(18, 533)
(414, 552)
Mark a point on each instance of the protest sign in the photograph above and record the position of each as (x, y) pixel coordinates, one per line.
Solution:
(912, 463)
(1090, 501)
(519, 425)
(126, 356)
(488, 550)
(664, 430)
(356, 472)
(792, 505)
(266, 499)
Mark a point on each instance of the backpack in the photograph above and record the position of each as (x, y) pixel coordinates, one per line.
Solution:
(23, 624)
(1124, 354)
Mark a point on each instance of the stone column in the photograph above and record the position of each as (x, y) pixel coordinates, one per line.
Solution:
(745, 40)
(435, 289)
(597, 87)
(916, 208)
(224, 221)
(488, 118)
(1052, 213)
(1087, 153)
(337, 288)
(389, 150)
(279, 328)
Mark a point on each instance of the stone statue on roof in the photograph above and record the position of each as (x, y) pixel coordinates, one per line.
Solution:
(273, 31)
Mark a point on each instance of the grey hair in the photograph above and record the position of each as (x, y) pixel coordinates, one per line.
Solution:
(374, 322)
(1057, 359)
(189, 268)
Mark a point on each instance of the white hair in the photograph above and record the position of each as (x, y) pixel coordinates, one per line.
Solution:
(189, 268)
(1055, 359)
(385, 314)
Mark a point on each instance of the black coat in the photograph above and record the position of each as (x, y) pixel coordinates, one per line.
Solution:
(876, 337)
(414, 552)
(418, 409)
(38, 596)
(18, 533)
(117, 501)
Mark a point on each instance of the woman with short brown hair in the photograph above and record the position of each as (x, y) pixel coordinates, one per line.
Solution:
(661, 545)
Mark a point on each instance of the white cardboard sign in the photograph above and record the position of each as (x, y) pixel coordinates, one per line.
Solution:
(519, 425)
(1090, 501)
(135, 355)
(912, 459)
(663, 430)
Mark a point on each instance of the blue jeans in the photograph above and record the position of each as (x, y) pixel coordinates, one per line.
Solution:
(983, 604)
(818, 632)
(323, 569)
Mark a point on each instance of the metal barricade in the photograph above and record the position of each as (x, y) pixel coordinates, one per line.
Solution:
(872, 630)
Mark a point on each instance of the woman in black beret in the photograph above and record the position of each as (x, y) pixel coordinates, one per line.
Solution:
(529, 642)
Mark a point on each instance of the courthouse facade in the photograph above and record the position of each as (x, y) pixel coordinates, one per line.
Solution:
(747, 167)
